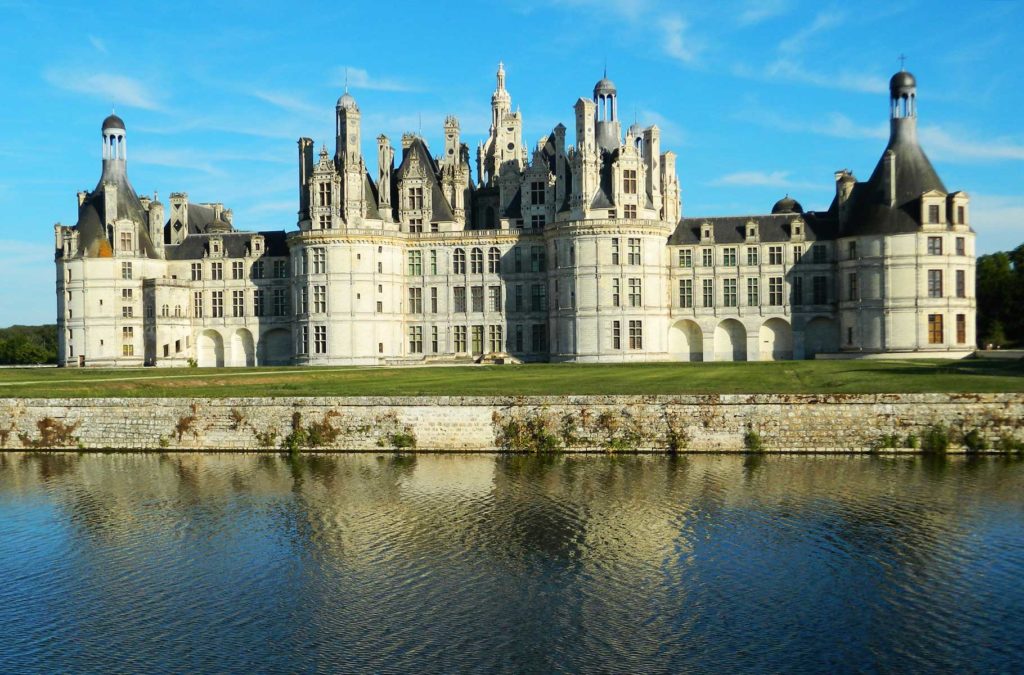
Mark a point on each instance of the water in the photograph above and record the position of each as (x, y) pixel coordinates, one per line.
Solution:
(249, 563)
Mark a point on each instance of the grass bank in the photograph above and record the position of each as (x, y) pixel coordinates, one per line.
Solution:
(787, 377)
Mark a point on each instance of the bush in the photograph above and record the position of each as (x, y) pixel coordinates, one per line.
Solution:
(752, 441)
(935, 440)
(1008, 443)
(974, 441)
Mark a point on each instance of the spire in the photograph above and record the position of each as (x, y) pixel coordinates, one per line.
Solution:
(501, 76)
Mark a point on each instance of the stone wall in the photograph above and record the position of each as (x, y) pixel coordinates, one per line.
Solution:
(813, 423)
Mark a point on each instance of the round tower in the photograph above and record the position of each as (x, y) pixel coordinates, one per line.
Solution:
(606, 114)
(115, 148)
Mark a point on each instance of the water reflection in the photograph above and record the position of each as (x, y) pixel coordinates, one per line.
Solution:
(509, 563)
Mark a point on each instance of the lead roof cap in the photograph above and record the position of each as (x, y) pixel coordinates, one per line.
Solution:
(113, 122)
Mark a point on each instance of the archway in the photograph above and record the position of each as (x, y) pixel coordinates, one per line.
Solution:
(243, 352)
(210, 349)
(730, 341)
(776, 340)
(821, 336)
(686, 341)
(276, 347)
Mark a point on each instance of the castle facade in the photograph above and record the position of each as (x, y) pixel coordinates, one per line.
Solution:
(572, 250)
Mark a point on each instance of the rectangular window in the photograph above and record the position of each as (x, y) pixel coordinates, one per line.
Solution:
(798, 252)
(615, 250)
(197, 304)
(729, 256)
(539, 337)
(280, 302)
(416, 225)
(820, 290)
(237, 271)
(960, 216)
(494, 299)
(728, 292)
(459, 261)
(495, 338)
(775, 291)
(961, 328)
(935, 336)
(320, 339)
(415, 263)
(126, 270)
(851, 286)
(820, 254)
(635, 293)
(634, 251)
(461, 345)
(197, 271)
(237, 303)
(538, 298)
(629, 211)
(126, 241)
(933, 213)
(629, 181)
(961, 246)
(433, 339)
(537, 263)
(324, 193)
(476, 335)
(537, 192)
(686, 293)
(616, 292)
(217, 271)
(851, 250)
(416, 198)
(126, 294)
(477, 298)
(257, 302)
(128, 350)
(636, 334)
(753, 291)
(519, 298)
(774, 255)
(415, 339)
(459, 298)
(961, 284)
(304, 340)
(616, 335)
(934, 283)
(257, 269)
(707, 257)
(303, 301)
(934, 245)
(708, 292)
(685, 257)
(797, 289)
(537, 221)
(280, 269)
(751, 255)
(433, 262)
(319, 261)
(517, 257)
(433, 300)
(217, 305)
(127, 333)
(320, 299)
(494, 261)
(380, 306)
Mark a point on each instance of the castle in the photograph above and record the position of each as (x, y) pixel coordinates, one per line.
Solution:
(558, 252)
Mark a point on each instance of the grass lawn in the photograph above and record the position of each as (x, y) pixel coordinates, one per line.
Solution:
(852, 377)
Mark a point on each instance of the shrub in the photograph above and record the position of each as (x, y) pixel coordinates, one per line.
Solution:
(1008, 443)
(935, 440)
(752, 441)
(911, 442)
(974, 441)
(532, 432)
(886, 442)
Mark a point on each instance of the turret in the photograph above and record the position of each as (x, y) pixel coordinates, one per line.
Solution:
(606, 115)
(115, 148)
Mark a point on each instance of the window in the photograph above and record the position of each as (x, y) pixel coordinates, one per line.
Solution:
(775, 291)
(415, 263)
(615, 250)
(433, 299)
(685, 257)
(728, 292)
(303, 301)
(127, 333)
(538, 298)
(320, 299)
(197, 271)
(686, 293)
(324, 193)
(851, 250)
(217, 306)
(165, 310)
(851, 286)
(324, 220)
(128, 350)
(416, 225)
(459, 261)
(849, 335)
(380, 268)
(320, 339)
(537, 192)
(774, 255)
(476, 335)
(820, 290)
(494, 260)
(751, 255)
(257, 269)
(280, 302)
(629, 211)
(518, 303)
(707, 257)
(933, 213)
(934, 283)
(634, 251)
(934, 245)
(819, 253)
(460, 338)
(380, 307)
(304, 340)
(415, 196)
(729, 256)
(415, 339)
(537, 221)
(238, 303)
(798, 252)
(797, 290)
(961, 284)
(281, 269)
(616, 335)
(494, 298)
(539, 337)
(517, 255)
(416, 300)
(433, 262)
(635, 293)
(629, 181)
(217, 271)
(319, 261)
(257, 302)
(476, 294)
(459, 295)
(126, 270)
(537, 263)
(433, 339)
(961, 327)
(495, 339)
(197, 304)
(935, 336)
(961, 247)
(126, 294)
(708, 292)
(753, 291)
(636, 334)
(960, 215)
(303, 262)
(237, 269)
(616, 292)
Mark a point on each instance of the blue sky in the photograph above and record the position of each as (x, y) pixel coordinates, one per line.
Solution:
(758, 98)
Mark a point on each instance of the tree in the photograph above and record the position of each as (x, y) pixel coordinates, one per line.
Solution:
(1000, 293)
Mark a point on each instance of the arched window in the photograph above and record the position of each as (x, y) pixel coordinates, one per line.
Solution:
(476, 259)
(165, 311)
(494, 260)
(177, 310)
(459, 261)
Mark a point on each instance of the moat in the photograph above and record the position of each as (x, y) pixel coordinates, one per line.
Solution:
(430, 563)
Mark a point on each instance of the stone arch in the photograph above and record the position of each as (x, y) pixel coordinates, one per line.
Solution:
(821, 336)
(210, 349)
(730, 341)
(686, 341)
(243, 351)
(776, 340)
(276, 347)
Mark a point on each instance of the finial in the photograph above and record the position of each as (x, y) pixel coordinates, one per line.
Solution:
(903, 60)
(606, 67)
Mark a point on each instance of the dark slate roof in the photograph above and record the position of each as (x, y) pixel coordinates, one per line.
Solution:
(440, 209)
(91, 226)
(370, 197)
(771, 228)
(787, 205)
(515, 206)
(112, 122)
(236, 244)
(901, 81)
(602, 197)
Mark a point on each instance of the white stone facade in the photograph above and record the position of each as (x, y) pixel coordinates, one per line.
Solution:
(556, 253)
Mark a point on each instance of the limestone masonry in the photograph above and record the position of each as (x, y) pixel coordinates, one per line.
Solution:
(570, 250)
(809, 423)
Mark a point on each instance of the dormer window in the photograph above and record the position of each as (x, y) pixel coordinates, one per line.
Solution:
(797, 230)
(707, 232)
(933, 213)
(416, 198)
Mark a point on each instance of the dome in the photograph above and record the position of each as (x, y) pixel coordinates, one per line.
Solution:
(347, 101)
(112, 122)
(604, 87)
(902, 82)
(787, 205)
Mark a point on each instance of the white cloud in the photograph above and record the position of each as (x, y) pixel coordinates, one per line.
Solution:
(834, 124)
(288, 102)
(98, 44)
(998, 220)
(675, 41)
(112, 88)
(671, 133)
(775, 179)
(629, 9)
(822, 22)
(944, 145)
(757, 11)
(359, 78)
(788, 70)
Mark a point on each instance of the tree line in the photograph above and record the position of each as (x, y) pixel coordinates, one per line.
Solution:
(1000, 293)
(27, 345)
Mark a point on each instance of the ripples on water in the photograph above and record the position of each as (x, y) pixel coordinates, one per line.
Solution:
(525, 564)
